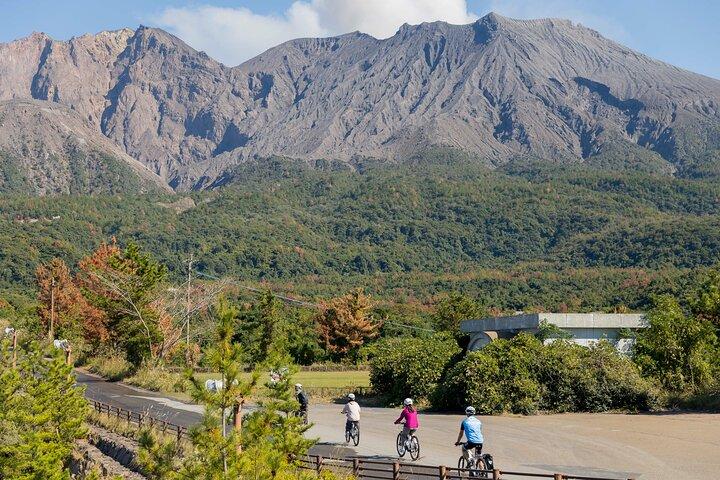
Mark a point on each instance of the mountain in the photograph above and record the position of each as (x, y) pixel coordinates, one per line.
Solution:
(501, 91)
(46, 148)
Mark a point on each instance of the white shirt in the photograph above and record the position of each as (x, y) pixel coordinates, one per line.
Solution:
(352, 411)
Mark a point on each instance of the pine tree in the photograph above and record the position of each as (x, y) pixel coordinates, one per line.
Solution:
(42, 413)
(344, 323)
(271, 440)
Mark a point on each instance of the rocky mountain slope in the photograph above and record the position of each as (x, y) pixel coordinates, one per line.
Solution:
(499, 90)
(46, 148)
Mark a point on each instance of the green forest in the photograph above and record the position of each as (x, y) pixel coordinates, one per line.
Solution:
(531, 237)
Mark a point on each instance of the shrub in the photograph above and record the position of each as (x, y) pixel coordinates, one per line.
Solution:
(113, 367)
(523, 376)
(499, 378)
(410, 367)
(158, 379)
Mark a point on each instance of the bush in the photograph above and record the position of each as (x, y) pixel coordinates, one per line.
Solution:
(502, 377)
(410, 367)
(158, 380)
(523, 376)
(113, 367)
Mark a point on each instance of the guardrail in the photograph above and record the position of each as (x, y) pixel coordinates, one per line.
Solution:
(362, 468)
(140, 419)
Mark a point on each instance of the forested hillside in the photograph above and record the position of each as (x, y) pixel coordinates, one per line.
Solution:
(536, 237)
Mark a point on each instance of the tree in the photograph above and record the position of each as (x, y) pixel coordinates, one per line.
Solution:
(452, 310)
(705, 299)
(63, 310)
(263, 328)
(274, 435)
(215, 453)
(42, 413)
(678, 349)
(345, 323)
(126, 285)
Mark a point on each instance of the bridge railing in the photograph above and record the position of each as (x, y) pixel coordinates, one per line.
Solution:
(141, 419)
(362, 468)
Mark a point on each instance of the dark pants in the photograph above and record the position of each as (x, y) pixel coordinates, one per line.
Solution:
(349, 424)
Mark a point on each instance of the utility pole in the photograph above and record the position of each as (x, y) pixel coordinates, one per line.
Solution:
(188, 356)
(51, 331)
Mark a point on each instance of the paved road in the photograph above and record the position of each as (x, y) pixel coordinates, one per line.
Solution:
(663, 446)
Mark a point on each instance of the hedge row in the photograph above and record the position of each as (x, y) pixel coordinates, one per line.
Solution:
(521, 375)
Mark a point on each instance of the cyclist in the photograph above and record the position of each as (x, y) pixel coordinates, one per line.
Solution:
(351, 410)
(410, 417)
(471, 427)
(303, 400)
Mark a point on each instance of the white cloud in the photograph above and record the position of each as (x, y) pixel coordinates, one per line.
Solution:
(233, 35)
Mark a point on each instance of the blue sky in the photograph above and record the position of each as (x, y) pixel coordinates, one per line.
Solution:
(686, 34)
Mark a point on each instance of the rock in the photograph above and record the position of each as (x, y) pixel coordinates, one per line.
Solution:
(498, 89)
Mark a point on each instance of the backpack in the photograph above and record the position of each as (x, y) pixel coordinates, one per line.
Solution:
(489, 462)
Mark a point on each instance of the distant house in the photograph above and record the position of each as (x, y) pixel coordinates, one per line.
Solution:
(584, 328)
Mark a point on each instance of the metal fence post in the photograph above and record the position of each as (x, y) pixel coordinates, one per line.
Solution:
(496, 474)
(319, 460)
(396, 470)
(442, 472)
(356, 466)
(558, 476)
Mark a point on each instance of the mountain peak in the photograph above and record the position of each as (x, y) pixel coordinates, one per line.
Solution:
(497, 89)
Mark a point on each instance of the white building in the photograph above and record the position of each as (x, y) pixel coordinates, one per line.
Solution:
(584, 328)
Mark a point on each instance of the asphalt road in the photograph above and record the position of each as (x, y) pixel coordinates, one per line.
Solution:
(661, 446)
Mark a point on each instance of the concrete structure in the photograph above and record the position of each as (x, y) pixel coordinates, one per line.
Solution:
(585, 328)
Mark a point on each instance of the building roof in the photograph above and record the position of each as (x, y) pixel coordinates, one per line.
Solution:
(532, 321)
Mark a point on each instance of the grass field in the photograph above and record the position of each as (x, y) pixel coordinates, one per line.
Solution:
(320, 379)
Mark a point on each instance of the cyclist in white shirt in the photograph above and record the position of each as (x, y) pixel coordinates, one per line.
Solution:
(351, 410)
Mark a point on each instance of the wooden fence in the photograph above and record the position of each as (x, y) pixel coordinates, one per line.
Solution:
(139, 419)
(362, 468)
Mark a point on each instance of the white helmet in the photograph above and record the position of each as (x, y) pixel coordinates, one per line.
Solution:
(407, 402)
(470, 410)
(298, 386)
(351, 396)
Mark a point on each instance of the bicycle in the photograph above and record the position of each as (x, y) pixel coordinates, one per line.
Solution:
(411, 445)
(303, 414)
(353, 434)
(476, 464)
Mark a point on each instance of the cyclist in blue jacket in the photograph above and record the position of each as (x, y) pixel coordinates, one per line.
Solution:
(471, 427)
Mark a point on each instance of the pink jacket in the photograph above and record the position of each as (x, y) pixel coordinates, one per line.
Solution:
(410, 417)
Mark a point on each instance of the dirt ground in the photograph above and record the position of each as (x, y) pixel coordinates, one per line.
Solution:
(651, 446)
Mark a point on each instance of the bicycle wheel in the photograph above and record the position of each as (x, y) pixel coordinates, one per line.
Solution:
(348, 434)
(414, 448)
(400, 445)
(462, 467)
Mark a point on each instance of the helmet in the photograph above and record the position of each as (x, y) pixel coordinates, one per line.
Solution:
(298, 386)
(351, 396)
(407, 401)
(470, 410)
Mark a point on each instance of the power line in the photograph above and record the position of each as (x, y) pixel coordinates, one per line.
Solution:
(257, 290)
(300, 302)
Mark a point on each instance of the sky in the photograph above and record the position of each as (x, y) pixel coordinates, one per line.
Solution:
(683, 33)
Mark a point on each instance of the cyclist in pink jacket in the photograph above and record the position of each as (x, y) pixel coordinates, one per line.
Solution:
(409, 418)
